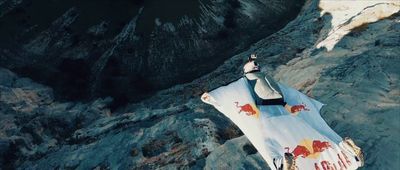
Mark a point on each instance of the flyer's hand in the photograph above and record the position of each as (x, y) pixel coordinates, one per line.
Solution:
(205, 97)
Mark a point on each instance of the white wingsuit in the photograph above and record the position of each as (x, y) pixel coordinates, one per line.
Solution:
(284, 140)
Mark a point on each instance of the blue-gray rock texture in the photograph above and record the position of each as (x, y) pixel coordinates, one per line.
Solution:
(128, 49)
(358, 80)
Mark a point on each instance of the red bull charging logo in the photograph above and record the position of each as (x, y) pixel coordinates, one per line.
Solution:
(309, 148)
(249, 109)
(313, 148)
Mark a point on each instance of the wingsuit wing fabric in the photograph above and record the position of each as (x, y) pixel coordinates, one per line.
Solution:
(274, 131)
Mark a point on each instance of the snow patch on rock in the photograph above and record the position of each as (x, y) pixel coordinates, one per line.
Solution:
(347, 15)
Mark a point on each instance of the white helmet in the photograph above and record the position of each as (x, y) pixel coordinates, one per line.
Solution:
(251, 65)
(252, 57)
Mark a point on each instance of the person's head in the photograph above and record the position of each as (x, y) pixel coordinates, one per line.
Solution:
(252, 57)
(251, 65)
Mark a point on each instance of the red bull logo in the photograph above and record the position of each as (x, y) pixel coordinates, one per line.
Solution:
(319, 146)
(313, 148)
(309, 148)
(300, 151)
(249, 109)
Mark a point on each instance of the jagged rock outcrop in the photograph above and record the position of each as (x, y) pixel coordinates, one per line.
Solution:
(37, 132)
(33, 124)
(130, 49)
(237, 153)
(357, 79)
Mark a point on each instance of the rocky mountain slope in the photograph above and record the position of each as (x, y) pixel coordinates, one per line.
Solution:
(130, 49)
(356, 76)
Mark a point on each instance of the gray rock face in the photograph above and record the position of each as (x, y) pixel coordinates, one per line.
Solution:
(37, 132)
(362, 92)
(237, 153)
(129, 49)
(358, 80)
(33, 124)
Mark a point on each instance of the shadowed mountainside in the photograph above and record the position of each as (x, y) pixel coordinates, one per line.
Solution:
(129, 49)
(358, 80)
